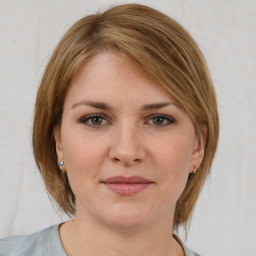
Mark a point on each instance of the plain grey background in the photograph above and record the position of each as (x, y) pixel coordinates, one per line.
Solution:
(224, 219)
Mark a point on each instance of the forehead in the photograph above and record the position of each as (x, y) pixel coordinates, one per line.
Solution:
(109, 76)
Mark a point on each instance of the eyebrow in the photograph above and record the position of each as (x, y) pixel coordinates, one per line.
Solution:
(104, 106)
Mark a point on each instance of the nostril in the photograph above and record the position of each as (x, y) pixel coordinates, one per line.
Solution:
(126, 161)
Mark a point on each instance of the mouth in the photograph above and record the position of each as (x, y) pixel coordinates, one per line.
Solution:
(127, 185)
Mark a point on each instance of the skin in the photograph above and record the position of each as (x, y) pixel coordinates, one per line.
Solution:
(126, 141)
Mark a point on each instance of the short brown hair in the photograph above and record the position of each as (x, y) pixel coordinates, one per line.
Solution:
(158, 46)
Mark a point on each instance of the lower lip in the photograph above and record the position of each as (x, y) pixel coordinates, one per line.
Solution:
(127, 189)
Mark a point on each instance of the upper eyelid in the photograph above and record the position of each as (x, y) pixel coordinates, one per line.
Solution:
(161, 115)
(87, 117)
(170, 120)
(94, 115)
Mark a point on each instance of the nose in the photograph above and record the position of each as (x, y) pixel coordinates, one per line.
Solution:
(127, 146)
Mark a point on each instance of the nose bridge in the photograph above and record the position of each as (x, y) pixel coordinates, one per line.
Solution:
(127, 146)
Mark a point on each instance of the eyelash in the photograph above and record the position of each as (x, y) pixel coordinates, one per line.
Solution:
(85, 120)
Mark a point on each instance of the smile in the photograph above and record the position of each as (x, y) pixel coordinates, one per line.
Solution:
(127, 186)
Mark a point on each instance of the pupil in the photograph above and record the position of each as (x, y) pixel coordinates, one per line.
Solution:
(158, 121)
(97, 120)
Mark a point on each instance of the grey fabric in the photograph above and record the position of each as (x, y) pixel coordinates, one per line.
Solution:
(188, 252)
(43, 243)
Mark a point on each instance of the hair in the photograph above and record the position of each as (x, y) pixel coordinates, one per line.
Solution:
(155, 44)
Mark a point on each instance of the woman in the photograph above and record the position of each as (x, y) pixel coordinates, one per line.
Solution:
(125, 131)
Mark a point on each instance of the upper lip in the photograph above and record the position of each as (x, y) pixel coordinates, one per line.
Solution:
(127, 180)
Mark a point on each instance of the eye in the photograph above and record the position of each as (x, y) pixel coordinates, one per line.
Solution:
(95, 120)
(161, 120)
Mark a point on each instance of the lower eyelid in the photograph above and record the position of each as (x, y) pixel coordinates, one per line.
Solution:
(168, 118)
(85, 119)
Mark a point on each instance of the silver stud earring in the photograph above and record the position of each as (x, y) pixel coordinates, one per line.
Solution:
(195, 170)
(60, 164)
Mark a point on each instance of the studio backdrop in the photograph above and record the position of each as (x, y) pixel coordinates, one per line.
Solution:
(224, 219)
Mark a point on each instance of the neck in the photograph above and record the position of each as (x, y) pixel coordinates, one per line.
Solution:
(87, 237)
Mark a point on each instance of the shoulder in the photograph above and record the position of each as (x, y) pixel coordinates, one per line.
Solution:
(37, 244)
(188, 252)
(20, 245)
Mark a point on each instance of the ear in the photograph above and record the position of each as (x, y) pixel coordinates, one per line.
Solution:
(57, 137)
(199, 148)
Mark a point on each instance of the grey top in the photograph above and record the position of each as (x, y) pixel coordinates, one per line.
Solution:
(43, 243)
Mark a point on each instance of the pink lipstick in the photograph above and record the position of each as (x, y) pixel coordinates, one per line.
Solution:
(127, 186)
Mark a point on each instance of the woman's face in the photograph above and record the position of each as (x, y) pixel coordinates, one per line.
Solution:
(127, 145)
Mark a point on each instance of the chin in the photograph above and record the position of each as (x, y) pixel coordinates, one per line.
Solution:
(127, 225)
(127, 219)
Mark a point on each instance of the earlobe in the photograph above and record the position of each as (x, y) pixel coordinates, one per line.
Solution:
(57, 137)
(198, 153)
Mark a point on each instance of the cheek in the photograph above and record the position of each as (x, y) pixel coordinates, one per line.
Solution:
(172, 160)
(81, 163)
(83, 155)
(175, 154)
